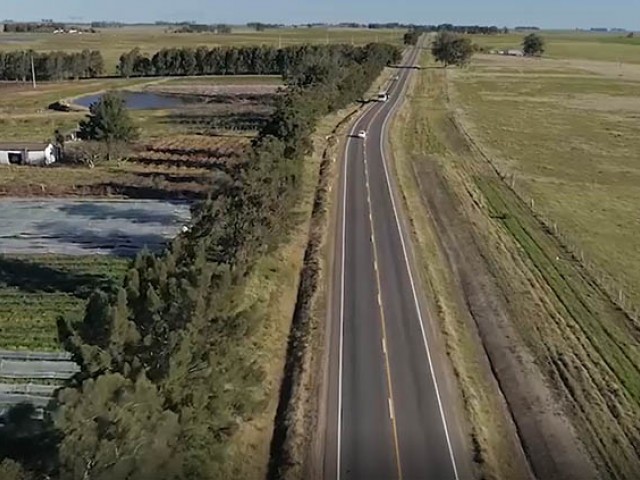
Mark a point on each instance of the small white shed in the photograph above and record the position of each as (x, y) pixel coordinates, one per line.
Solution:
(37, 154)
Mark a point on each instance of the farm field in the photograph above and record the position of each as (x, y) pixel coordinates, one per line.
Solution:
(115, 41)
(612, 47)
(181, 155)
(36, 290)
(183, 167)
(239, 106)
(54, 253)
(571, 140)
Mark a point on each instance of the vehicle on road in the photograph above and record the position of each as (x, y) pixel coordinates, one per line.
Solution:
(383, 97)
(362, 134)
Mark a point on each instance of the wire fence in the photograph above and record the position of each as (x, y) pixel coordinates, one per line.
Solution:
(614, 289)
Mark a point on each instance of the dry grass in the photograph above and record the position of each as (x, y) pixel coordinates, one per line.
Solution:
(572, 145)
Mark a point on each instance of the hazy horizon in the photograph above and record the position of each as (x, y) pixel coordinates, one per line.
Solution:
(546, 14)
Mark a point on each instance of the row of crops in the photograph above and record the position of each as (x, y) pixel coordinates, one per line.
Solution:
(36, 290)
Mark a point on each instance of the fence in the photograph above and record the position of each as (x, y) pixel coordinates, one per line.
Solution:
(612, 288)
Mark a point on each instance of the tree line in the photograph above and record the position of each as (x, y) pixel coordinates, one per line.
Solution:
(203, 28)
(253, 60)
(32, 27)
(167, 373)
(261, 27)
(51, 65)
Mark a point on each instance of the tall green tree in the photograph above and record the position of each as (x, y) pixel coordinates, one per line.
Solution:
(533, 45)
(452, 49)
(109, 122)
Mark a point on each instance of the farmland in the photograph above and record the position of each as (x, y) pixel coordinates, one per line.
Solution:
(181, 151)
(571, 140)
(181, 155)
(115, 41)
(183, 167)
(36, 290)
(612, 47)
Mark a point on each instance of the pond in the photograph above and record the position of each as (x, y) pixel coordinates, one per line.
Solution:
(143, 100)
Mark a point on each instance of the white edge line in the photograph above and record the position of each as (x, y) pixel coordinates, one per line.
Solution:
(413, 287)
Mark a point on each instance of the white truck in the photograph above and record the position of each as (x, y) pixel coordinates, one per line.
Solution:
(383, 97)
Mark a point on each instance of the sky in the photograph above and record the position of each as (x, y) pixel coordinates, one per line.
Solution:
(543, 13)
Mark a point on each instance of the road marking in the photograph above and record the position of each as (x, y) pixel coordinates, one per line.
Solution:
(394, 426)
(394, 106)
(342, 293)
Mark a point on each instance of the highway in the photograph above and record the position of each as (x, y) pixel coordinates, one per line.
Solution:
(386, 415)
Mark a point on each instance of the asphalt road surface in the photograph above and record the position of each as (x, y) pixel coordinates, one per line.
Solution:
(386, 415)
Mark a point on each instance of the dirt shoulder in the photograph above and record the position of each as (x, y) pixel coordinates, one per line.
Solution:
(520, 423)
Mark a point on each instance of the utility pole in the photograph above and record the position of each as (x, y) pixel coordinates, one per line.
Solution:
(33, 73)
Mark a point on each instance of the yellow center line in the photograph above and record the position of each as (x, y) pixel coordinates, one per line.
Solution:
(392, 415)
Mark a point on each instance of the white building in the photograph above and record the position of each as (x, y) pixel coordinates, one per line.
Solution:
(39, 154)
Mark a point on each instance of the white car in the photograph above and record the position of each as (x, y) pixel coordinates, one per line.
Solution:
(362, 134)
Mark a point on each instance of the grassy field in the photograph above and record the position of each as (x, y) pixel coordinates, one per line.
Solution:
(588, 46)
(19, 98)
(35, 291)
(571, 142)
(113, 42)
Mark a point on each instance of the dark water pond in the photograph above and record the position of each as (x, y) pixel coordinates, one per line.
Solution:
(143, 100)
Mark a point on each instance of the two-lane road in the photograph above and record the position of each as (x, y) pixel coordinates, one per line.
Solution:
(386, 418)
